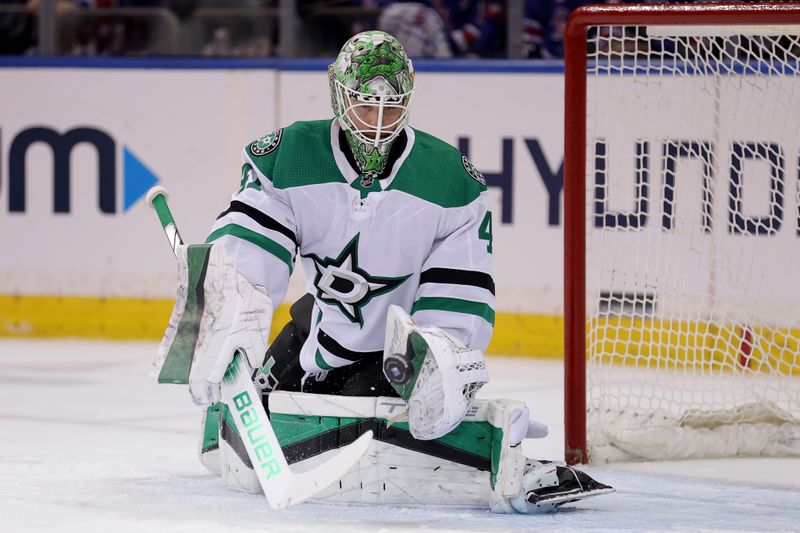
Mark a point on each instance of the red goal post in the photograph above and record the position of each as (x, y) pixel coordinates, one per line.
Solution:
(575, 167)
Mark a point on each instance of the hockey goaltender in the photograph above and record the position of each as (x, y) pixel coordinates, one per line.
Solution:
(393, 229)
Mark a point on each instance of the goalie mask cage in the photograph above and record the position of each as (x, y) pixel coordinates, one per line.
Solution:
(682, 231)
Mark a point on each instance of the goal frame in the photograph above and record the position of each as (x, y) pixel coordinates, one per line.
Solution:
(575, 65)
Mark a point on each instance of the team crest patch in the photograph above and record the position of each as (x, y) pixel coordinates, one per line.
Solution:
(267, 143)
(472, 171)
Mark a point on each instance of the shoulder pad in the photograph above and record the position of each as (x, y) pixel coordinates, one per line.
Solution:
(457, 182)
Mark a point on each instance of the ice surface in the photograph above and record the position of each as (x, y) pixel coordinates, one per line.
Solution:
(88, 444)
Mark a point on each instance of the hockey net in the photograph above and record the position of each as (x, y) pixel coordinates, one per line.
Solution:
(682, 232)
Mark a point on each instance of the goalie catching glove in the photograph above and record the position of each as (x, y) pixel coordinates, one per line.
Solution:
(433, 372)
(217, 312)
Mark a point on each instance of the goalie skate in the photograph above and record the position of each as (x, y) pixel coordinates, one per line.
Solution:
(550, 485)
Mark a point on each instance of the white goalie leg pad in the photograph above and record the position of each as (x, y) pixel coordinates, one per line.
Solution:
(236, 473)
(388, 473)
(446, 379)
(223, 453)
(394, 474)
(211, 461)
(513, 418)
(391, 475)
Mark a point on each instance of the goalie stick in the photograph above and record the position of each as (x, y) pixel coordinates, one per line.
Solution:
(282, 487)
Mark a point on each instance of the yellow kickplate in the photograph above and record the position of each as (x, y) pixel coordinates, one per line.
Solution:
(140, 319)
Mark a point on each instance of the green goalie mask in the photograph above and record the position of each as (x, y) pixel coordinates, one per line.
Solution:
(371, 83)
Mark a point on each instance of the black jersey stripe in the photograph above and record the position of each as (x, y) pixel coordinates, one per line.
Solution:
(330, 344)
(458, 277)
(262, 219)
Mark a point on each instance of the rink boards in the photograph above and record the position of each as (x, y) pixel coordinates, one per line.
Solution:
(82, 140)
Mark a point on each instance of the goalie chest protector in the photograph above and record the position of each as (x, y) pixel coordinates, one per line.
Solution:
(419, 238)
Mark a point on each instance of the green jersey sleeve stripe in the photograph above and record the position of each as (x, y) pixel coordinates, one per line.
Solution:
(265, 243)
(455, 305)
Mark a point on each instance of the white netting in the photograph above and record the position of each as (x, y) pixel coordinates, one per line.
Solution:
(693, 241)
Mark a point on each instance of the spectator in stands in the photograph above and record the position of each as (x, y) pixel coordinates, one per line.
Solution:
(477, 28)
(474, 28)
(418, 27)
(543, 26)
(17, 29)
(427, 28)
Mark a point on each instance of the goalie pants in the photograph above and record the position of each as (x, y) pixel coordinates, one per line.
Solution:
(362, 378)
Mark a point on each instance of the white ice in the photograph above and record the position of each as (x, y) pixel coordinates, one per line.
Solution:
(89, 444)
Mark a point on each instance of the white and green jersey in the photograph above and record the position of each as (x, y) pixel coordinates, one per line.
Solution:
(420, 238)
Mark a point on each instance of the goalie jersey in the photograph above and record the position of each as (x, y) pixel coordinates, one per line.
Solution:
(419, 237)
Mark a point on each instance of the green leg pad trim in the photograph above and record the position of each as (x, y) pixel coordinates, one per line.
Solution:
(497, 448)
(301, 437)
(211, 428)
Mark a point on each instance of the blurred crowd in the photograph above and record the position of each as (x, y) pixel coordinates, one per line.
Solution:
(252, 28)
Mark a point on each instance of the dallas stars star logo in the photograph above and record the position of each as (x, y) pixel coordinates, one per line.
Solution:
(342, 283)
(372, 160)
